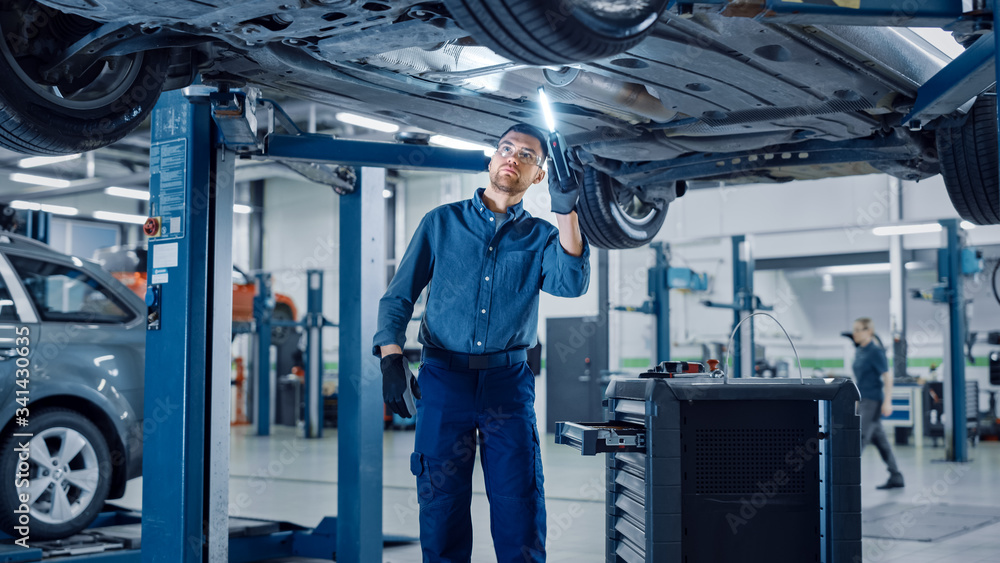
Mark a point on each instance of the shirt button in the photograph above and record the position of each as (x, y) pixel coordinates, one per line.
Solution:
(483, 311)
(491, 218)
(487, 278)
(479, 343)
(491, 248)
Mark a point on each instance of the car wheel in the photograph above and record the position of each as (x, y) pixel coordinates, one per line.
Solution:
(556, 31)
(613, 217)
(75, 113)
(968, 156)
(279, 334)
(68, 474)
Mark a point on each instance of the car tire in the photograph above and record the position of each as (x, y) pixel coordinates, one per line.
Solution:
(611, 219)
(544, 32)
(113, 100)
(968, 157)
(83, 479)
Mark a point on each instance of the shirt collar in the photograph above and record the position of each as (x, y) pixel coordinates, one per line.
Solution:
(477, 202)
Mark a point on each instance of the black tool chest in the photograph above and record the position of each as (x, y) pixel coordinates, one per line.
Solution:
(705, 470)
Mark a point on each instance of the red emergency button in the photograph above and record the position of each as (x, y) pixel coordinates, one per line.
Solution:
(152, 227)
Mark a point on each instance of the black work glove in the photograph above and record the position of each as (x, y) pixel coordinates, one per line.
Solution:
(395, 373)
(564, 193)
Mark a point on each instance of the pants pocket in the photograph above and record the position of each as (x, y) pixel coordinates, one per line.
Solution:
(417, 464)
(539, 477)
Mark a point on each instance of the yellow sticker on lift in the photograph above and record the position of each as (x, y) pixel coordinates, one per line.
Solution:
(853, 4)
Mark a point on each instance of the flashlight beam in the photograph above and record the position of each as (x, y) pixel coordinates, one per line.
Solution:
(543, 99)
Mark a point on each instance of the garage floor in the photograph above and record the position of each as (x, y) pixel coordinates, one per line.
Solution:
(288, 478)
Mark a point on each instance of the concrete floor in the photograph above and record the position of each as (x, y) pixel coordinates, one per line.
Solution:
(288, 478)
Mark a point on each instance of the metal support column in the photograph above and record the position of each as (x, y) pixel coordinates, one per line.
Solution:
(743, 302)
(659, 294)
(360, 406)
(185, 506)
(314, 361)
(897, 283)
(264, 384)
(956, 448)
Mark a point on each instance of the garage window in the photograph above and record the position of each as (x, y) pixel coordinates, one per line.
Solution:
(64, 294)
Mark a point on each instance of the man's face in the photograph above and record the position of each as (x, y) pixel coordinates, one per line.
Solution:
(510, 174)
(861, 334)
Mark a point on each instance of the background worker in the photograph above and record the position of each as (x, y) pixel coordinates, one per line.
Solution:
(871, 371)
(485, 260)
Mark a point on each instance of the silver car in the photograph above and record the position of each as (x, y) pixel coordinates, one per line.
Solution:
(72, 353)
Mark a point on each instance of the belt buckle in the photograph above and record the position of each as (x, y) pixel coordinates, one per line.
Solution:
(479, 362)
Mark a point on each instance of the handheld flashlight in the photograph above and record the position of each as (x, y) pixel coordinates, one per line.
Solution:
(556, 141)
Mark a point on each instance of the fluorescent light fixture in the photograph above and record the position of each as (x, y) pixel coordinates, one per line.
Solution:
(967, 225)
(240, 208)
(907, 229)
(543, 100)
(59, 209)
(854, 269)
(30, 205)
(54, 209)
(34, 161)
(120, 217)
(39, 180)
(127, 192)
(368, 122)
(451, 142)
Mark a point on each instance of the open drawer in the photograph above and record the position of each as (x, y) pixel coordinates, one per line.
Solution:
(593, 438)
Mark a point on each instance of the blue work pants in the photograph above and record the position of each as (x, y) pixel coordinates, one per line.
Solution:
(494, 409)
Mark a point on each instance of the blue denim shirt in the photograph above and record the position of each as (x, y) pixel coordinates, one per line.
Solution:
(484, 281)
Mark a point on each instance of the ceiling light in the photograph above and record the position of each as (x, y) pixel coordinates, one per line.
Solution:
(827, 282)
(18, 204)
(907, 229)
(854, 269)
(39, 180)
(59, 209)
(368, 122)
(120, 217)
(127, 192)
(967, 225)
(451, 142)
(34, 161)
(240, 208)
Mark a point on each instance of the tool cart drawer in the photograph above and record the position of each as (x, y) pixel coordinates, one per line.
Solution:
(593, 438)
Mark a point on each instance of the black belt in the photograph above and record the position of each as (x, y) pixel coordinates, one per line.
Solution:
(470, 361)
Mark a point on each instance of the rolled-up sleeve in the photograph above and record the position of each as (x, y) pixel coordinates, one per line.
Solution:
(414, 272)
(564, 275)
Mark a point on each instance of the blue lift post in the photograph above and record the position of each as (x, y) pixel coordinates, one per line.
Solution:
(360, 412)
(314, 324)
(185, 502)
(950, 273)
(743, 301)
(263, 304)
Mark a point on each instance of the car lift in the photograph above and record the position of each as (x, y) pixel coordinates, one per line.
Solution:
(954, 262)
(314, 322)
(661, 278)
(744, 304)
